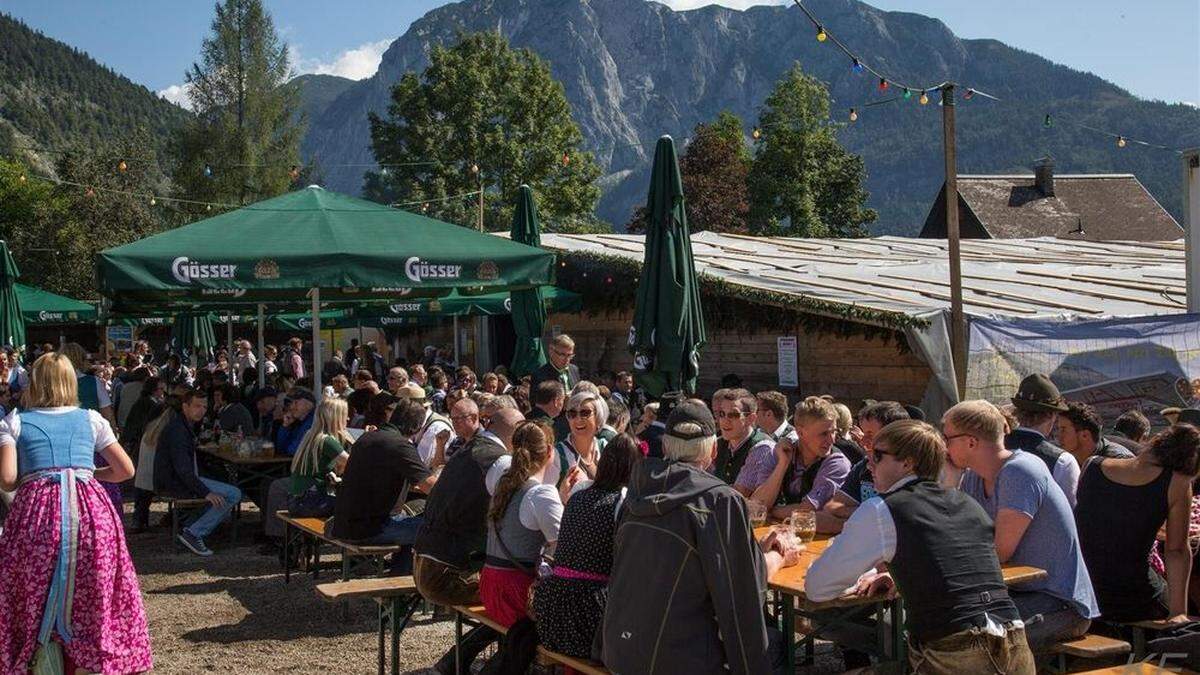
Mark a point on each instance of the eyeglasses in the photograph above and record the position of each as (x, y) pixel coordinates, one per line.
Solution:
(457, 418)
(879, 452)
(581, 413)
(562, 354)
(946, 439)
(736, 414)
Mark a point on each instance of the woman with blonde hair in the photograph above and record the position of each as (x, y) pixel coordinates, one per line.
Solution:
(806, 474)
(522, 522)
(323, 449)
(586, 414)
(67, 585)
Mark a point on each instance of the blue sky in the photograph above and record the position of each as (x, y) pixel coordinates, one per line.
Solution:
(1150, 48)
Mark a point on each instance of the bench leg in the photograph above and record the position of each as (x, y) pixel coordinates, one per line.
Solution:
(174, 514)
(1139, 643)
(382, 628)
(458, 669)
(287, 552)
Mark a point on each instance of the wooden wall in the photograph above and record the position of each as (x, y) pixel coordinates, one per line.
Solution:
(849, 368)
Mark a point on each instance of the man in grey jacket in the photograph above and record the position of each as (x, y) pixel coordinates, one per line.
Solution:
(698, 608)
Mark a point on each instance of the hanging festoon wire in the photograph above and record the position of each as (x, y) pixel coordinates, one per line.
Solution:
(1052, 120)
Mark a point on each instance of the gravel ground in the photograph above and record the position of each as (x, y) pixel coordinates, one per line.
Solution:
(233, 613)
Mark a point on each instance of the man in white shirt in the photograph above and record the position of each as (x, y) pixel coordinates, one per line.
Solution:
(436, 431)
(243, 359)
(938, 549)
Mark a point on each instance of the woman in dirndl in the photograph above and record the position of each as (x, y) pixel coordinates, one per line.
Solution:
(68, 588)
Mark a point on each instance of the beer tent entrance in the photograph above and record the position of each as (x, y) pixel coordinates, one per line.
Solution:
(311, 246)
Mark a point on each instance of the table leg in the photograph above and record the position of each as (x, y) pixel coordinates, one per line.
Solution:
(395, 635)
(382, 627)
(287, 552)
(457, 642)
(899, 645)
(789, 632)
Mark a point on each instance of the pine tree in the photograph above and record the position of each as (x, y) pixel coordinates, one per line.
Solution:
(485, 114)
(244, 144)
(803, 183)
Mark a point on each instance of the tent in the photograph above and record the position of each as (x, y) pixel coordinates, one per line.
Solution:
(43, 307)
(310, 246)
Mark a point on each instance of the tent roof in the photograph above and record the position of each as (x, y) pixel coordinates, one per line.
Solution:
(280, 248)
(42, 306)
(1041, 277)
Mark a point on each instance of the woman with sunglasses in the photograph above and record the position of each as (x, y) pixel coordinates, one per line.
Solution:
(586, 413)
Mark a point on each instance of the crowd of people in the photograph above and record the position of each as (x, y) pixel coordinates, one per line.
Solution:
(545, 496)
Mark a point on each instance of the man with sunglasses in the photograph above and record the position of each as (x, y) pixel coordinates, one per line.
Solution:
(937, 546)
(737, 420)
(559, 367)
(1034, 524)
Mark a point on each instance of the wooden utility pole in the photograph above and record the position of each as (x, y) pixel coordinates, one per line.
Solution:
(958, 322)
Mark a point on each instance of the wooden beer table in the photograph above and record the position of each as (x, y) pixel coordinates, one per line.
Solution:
(788, 585)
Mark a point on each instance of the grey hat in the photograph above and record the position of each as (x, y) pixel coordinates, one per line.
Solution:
(1037, 393)
(691, 411)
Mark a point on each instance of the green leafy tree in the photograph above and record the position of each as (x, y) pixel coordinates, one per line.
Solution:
(244, 142)
(482, 114)
(714, 169)
(802, 182)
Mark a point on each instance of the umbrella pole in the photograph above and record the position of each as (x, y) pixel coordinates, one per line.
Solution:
(229, 343)
(455, 340)
(262, 369)
(316, 340)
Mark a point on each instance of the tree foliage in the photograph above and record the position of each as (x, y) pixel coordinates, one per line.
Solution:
(56, 230)
(247, 129)
(485, 114)
(803, 183)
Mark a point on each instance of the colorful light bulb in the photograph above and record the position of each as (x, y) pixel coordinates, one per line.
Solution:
(924, 98)
(821, 35)
(1120, 141)
(907, 94)
(883, 84)
(857, 66)
(122, 166)
(757, 133)
(853, 115)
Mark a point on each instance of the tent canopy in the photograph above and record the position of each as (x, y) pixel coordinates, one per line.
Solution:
(281, 248)
(43, 307)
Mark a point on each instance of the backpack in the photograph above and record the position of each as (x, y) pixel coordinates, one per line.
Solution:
(284, 362)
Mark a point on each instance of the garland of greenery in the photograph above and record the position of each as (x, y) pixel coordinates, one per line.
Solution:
(608, 285)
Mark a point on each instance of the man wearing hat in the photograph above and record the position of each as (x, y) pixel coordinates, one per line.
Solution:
(1038, 404)
(436, 431)
(698, 608)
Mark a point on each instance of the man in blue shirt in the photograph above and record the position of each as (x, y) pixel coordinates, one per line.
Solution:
(298, 407)
(1033, 521)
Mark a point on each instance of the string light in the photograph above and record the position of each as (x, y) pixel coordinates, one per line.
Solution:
(821, 35)
(566, 160)
(474, 168)
(907, 94)
(1120, 141)
(294, 172)
(208, 171)
(924, 98)
(89, 192)
(857, 66)
(853, 115)
(883, 84)
(1048, 122)
(122, 166)
(153, 201)
(22, 178)
(208, 207)
(970, 94)
(757, 134)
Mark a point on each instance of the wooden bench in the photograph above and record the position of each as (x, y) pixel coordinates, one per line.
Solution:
(549, 658)
(313, 532)
(1139, 629)
(1087, 647)
(178, 506)
(1136, 668)
(397, 598)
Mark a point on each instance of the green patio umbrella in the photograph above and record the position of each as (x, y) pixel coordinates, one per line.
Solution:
(193, 335)
(528, 312)
(668, 324)
(40, 306)
(12, 324)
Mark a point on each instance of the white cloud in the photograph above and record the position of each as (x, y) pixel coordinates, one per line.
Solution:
(356, 64)
(177, 94)
(681, 5)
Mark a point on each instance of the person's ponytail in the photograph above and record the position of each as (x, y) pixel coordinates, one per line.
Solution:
(531, 447)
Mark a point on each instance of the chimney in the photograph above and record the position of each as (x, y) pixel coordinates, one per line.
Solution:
(1043, 176)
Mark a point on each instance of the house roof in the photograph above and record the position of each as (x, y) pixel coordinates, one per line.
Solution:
(1110, 207)
(1041, 277)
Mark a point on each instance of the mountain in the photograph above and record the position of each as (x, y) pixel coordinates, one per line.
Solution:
(52, 95)
(634, 70)
(318, 91)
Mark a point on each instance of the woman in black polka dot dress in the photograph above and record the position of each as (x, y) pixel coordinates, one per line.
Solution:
(568, 605)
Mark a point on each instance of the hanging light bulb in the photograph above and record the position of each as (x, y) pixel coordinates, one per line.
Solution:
(883, 84)
(1120, 141)
(208, 171)
(208, 207)
(89, 192)
(566, 158)
(474, 168)
(608, 280)
(853, 115)
(757, 133)
(122, 166)
(907, 94)
(383, 171)
(294, 172)
(821, 35)
(969, 95)
(924, 98)
(857, 66)
(1048, 122)
(153, 201)
(562, 264)
(22, 178)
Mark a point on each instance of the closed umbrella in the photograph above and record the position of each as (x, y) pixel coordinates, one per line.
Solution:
(668, 324)
(12, 324)
(528, 312)
(193, 335)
